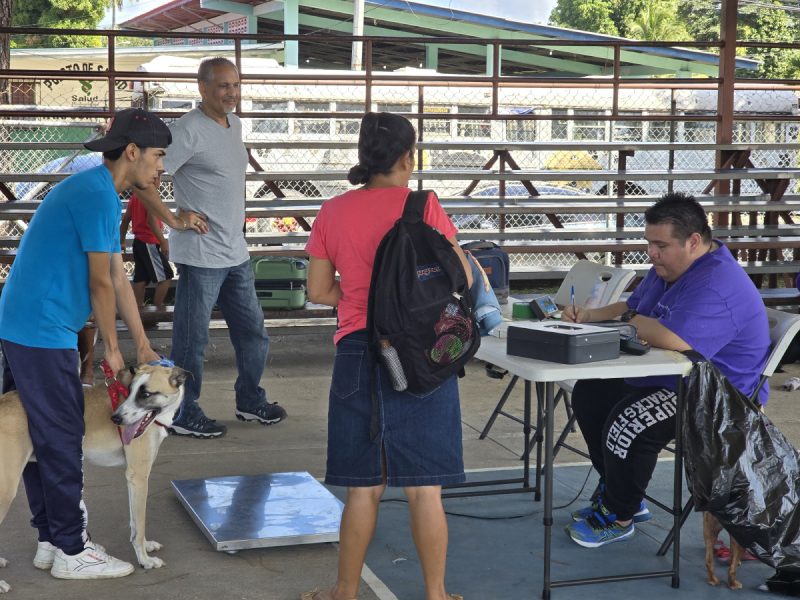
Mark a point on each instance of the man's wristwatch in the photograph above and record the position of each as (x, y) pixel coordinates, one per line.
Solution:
(628, 315)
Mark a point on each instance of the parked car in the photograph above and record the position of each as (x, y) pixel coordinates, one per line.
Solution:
(490, 221)
(57, 165)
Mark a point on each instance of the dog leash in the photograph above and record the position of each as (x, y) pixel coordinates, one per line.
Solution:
(117, 392)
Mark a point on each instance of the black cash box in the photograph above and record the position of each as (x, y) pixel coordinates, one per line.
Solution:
(561, 342)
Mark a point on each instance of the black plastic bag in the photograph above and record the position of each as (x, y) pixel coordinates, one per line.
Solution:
(743, 470)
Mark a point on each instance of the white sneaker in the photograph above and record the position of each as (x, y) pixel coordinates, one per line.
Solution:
(45, 552)
(92, 563)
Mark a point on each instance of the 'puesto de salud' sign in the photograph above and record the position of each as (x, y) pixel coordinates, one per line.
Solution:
(83, 92)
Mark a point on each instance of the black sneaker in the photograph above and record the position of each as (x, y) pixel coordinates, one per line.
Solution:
(266, 414)
(199, 426)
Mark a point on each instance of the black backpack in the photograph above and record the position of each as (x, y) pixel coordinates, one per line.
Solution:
(419, 302)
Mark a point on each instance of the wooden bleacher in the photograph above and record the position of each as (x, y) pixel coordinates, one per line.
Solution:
(760, 248)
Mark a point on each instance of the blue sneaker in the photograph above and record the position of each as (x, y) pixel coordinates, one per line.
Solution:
(642, 515)
(594, 503)
(599, 529)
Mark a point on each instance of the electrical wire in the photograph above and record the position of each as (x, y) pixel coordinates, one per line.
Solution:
(532, 513)
(784, 7)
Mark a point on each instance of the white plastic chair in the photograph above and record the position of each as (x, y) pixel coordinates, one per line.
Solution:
(583, 276)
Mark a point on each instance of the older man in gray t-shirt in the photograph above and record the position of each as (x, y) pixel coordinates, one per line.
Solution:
(207, 161)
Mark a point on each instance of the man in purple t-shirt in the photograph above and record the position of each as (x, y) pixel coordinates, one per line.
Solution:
(696, 297)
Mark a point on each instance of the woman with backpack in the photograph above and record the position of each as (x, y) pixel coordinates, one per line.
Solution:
(397, 439)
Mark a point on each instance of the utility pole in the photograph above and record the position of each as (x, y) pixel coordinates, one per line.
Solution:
(358, 29)
(728, 16)
(5, 51)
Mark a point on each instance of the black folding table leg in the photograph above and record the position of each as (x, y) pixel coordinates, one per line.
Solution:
(547, 520)
(687, 510)
(499, 408)
(538, 437)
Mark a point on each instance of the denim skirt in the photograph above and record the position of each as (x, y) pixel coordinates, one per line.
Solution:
(418, 435)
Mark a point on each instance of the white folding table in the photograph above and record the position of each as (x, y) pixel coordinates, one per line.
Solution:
(655, 362)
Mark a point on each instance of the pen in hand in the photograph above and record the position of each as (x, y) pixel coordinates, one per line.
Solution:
(572, 295)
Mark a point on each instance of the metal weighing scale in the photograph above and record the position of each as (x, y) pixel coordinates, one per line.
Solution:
(261, 511)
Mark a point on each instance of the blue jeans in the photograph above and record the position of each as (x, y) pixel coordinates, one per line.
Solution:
(233, 289)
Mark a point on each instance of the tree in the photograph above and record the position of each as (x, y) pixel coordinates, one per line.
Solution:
(667, 20)
(611, 17)
(701, 18)
(592, 15)
(657, 22)
(60, 14)
(762, 24)
(115, 6)
(758, 23)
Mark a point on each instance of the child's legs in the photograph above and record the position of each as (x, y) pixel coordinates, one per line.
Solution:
(138, 292)
(160, 295)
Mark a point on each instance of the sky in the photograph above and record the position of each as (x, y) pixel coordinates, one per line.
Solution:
(530, 11)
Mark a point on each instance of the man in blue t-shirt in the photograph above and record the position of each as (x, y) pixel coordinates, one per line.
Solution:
(695, 297)
(68, 266)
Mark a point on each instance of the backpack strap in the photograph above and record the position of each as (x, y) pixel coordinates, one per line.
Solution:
(479, 245)
(414, 210)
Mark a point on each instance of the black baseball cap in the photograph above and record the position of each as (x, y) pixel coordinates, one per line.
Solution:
(133, 126)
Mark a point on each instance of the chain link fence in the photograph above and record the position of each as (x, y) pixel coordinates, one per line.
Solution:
(285, 120)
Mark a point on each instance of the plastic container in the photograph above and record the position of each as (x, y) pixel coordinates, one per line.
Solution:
(521, 311)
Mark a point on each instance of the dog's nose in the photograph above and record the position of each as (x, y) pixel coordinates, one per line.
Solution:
(116, 419)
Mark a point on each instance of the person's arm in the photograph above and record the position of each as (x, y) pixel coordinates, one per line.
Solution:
(435, 216)
(323, 288)
(129, 310)
(658, 336)
(101, 291)
(155, 227)
(647, 328)
(184, 220)
(581, 314)
(463, 258)
(123, 227)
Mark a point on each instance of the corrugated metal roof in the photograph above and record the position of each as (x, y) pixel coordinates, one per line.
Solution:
(182, 13)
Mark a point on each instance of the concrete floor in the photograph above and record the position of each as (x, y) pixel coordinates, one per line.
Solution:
(298, 376)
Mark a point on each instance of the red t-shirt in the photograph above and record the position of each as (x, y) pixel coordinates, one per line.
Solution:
(347, 232)
(141, 229)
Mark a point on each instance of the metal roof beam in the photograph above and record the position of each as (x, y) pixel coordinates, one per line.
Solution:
(661, 63)
(226, 6)
(267, 7)
(509, 55)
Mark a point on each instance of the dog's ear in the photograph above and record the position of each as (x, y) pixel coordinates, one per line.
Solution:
(177, 377)
(125, 376)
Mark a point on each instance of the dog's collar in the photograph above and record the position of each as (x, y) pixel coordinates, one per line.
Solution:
(162, 362)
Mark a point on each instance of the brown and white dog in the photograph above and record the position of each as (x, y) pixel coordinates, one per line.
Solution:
(711, 530)
(124, 436)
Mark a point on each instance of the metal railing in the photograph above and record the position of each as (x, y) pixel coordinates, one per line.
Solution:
(306, 121)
